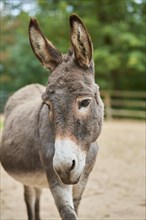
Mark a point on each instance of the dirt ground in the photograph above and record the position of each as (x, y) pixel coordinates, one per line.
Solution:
(115, 190)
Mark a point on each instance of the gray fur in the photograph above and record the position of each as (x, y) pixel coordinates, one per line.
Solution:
(35, 117)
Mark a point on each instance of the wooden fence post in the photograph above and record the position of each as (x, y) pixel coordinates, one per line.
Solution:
(107, 101)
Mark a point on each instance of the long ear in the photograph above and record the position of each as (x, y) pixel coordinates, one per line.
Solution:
(44, 50)
(81, 41)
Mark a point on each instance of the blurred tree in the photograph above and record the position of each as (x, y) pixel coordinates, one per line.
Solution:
(121, 51)
(117, 29)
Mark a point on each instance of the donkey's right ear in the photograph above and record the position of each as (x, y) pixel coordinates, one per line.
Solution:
(44, 50)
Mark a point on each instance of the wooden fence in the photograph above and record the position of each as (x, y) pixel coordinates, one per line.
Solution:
(124, 104)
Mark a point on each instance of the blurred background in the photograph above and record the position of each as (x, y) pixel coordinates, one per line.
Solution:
(117, 29)
(116, 188)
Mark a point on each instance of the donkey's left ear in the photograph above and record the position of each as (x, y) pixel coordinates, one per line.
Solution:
(81, 41)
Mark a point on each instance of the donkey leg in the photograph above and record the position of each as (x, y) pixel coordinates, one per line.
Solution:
(31, 196)
(78, 189)
(62, 195)
(63, 199)
(37, 203)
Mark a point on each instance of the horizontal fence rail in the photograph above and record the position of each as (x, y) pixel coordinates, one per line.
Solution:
(124, 104)
(118, 104)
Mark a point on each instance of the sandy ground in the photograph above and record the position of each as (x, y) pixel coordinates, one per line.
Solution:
(115, 190)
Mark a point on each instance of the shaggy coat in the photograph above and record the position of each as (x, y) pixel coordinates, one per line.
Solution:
(49, 137)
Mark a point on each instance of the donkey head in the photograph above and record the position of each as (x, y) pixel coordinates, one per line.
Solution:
(75, 110)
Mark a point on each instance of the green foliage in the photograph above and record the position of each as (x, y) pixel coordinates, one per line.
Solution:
(117, 29)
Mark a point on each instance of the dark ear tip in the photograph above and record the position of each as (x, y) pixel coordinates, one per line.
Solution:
(75, 18)
(33, 22)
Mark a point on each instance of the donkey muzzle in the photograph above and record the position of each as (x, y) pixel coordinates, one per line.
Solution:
(68, 161)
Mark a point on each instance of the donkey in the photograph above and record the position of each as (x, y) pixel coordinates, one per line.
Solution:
(50, 134)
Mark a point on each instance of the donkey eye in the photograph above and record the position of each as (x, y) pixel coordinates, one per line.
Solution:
(84, 103)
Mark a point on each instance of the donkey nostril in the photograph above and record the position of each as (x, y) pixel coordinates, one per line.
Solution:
(73, 165)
